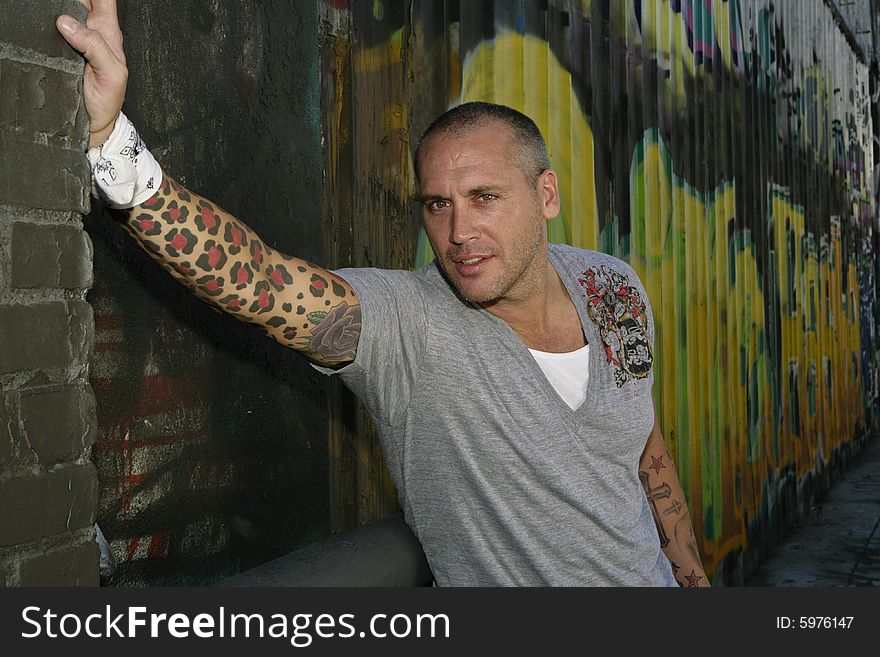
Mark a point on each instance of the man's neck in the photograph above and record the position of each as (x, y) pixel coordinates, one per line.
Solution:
(543, 316)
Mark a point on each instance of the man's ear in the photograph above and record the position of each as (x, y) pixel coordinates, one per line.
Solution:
(548, 193)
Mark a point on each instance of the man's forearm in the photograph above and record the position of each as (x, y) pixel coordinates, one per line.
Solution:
(668, 506)
(224, 262)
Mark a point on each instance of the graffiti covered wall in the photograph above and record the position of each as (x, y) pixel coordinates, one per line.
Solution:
(723, 147)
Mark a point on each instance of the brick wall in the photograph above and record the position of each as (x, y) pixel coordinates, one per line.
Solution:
(48, 485)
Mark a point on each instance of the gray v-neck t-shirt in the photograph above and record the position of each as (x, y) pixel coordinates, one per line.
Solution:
(501, 481)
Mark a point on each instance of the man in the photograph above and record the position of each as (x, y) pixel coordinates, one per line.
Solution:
(510, 381)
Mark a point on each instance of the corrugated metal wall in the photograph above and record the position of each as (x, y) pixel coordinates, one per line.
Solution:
(723, 147)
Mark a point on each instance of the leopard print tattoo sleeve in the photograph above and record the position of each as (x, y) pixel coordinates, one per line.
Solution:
(224, 262)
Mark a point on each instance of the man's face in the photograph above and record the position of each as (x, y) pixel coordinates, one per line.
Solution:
(485, 220)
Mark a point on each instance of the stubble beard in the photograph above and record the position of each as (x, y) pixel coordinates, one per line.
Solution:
(516, 279)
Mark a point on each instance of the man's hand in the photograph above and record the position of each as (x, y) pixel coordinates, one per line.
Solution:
(106, 75)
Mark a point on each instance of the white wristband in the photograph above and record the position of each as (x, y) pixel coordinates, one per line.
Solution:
(124, 172)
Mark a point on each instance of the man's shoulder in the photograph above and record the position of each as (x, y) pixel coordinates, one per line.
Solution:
(424, 281)
(578, 260)
(419, 275)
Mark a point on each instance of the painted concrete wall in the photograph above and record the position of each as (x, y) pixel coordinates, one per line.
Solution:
(212, 441)
(724, 148)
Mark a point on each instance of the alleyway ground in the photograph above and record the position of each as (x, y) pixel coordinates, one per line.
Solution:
(838, 544)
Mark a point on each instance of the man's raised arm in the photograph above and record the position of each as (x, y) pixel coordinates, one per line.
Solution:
(221, 259)
(225, 263)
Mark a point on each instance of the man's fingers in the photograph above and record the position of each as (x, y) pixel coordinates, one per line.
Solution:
(105, 9)
(105, 76)
(103, 18)
(88, 42)
(87, 3)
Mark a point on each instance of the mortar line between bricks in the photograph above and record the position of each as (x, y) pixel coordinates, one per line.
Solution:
(20, 213)
(28, 56)
(50, 219)
(35, 296)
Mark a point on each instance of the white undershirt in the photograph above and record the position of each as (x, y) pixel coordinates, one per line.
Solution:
(568, 373)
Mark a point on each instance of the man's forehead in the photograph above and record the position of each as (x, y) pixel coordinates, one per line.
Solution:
(475, 148)
(491, 130)
(468, 168)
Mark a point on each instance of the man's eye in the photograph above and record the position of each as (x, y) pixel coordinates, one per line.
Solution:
(436, 205)
(487, 197)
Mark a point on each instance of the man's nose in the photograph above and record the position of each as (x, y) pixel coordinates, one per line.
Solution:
(464, 226)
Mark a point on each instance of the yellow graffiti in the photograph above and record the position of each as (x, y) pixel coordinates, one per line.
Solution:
(715, 370)
(820, 341)
(664, 30)
(709, 316)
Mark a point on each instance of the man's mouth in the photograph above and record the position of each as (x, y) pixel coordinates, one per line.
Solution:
(471, 265)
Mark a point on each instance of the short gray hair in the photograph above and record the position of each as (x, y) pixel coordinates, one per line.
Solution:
(527, 138)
